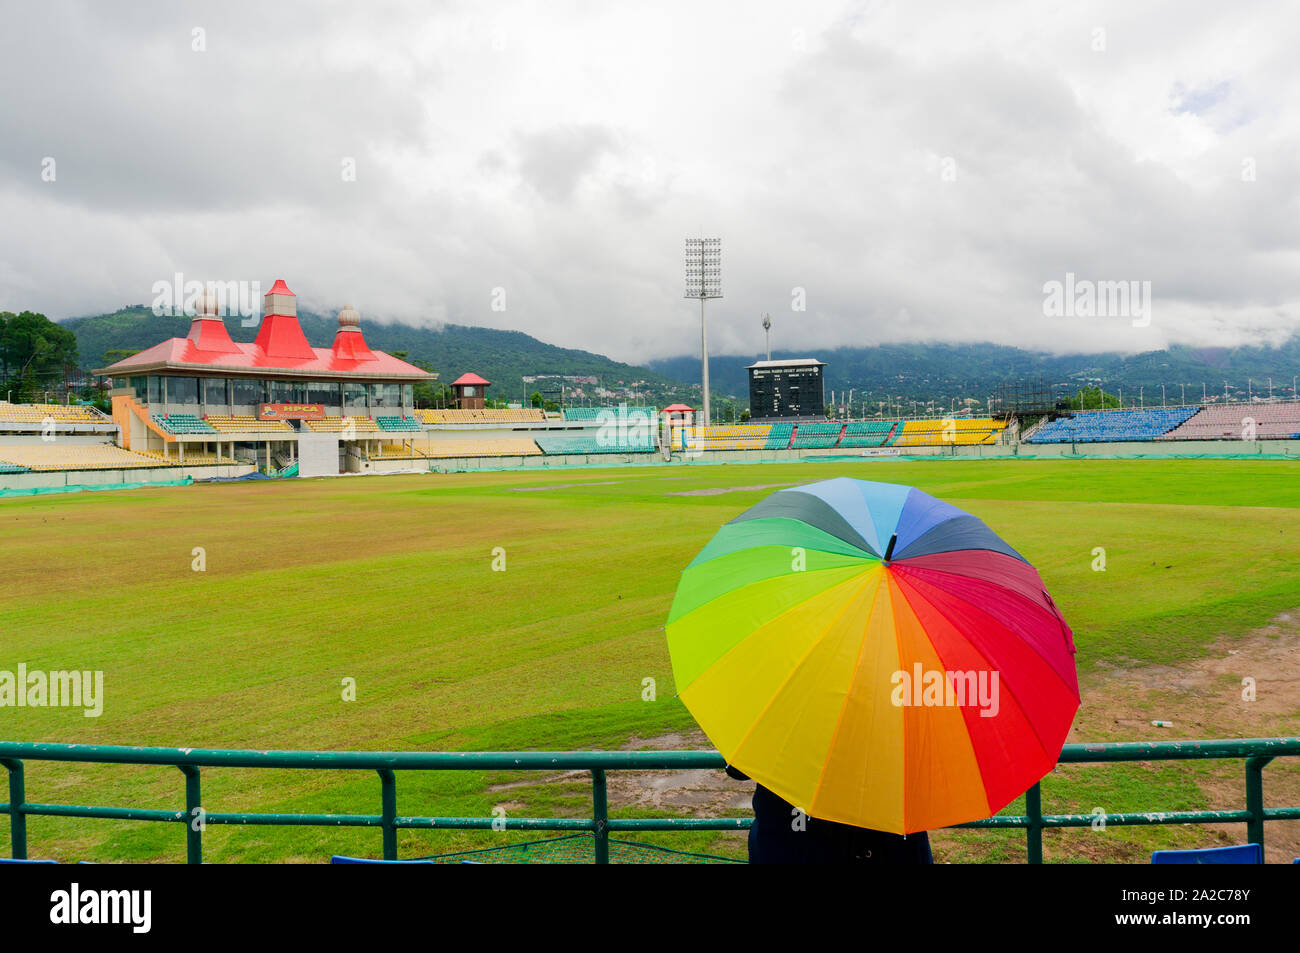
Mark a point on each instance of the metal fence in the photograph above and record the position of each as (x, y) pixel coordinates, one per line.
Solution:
(1255, 752)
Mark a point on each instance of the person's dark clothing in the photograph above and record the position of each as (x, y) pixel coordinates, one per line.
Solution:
(775, 838)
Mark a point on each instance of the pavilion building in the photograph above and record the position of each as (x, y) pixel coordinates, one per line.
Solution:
(265, 401)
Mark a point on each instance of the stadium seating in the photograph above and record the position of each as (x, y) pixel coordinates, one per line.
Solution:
(1239, 854)
(182, 423)
(441, 449)
(243, 423)
(65, 456)
(488, 415)
(732, 437)
(38, 413)
(337, 424)
(1234, 422)
(574, 443)
(1110, 426)
(816, 436)
(10, 467)
(868, 433)
(406, 424)
(194, 457)
(778, 438)
(593, 414)
(961, 431)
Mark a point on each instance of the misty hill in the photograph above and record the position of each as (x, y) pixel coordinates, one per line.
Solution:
(922, 372)
(503, 357)
(944, 371)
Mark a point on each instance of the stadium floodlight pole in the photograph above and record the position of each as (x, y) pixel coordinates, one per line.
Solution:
(767, 334)
(704, 281)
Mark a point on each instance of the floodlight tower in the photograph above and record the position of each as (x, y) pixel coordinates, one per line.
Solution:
(767, 334)
(704, 281)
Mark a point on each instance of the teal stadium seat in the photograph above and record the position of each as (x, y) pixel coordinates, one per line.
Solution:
(816, 436)
(553, 444)
(399, 424)
(779, 438)
(865, 434)
(182, 423)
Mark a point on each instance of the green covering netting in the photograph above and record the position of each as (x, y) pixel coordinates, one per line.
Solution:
(577, 849)
(91, 488)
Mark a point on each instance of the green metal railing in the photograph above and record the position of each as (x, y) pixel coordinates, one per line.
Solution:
(1256, 752)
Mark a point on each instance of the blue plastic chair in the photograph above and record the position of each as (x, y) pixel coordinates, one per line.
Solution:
(1243, 854)
(336, 859)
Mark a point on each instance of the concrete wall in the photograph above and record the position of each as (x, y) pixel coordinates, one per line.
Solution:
(318, 454)
(52, 478)
(60, 439)
(1165, 448)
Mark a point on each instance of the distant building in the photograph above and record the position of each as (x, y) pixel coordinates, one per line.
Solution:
(470, 390)
(782, 389)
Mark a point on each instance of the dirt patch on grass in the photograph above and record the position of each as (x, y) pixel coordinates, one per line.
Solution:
(561, 486)
(1211, 698)
(717, 490)
(703, 792)
(1203, 699)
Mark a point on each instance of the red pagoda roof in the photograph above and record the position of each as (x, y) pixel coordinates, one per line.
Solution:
(183, 354)
(470, 379)
(280, 348)
(679, 409)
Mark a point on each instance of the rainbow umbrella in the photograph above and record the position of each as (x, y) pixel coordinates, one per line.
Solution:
(874, 656)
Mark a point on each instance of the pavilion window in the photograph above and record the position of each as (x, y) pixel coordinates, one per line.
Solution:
(287, 392)
(183, 391)
(354, 395)
(324, 392)
(246, 392)
(386, 395)
(215, 393)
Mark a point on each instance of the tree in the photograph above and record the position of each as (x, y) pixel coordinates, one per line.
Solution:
(1092, 398)
(32, 344)
(535, 398)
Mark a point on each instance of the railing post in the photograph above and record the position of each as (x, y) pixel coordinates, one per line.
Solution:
(1034, 830)
(600, 814)
(388, 795)
(1255, 797)
(17, 819)
(194, 819)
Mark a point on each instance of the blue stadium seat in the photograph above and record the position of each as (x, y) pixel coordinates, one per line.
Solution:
(1243, 854)
(337, 859)
(1112, 426)
(10, 860)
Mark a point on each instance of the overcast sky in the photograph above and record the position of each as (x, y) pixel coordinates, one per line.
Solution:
(920, 170)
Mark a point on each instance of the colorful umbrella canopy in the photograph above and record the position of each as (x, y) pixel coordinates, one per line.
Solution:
(874, 656)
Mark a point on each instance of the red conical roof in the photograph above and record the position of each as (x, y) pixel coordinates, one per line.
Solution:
(210, 334)
(350, 345)
(470, 379)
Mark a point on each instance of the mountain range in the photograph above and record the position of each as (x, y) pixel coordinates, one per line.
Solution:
(900, 372)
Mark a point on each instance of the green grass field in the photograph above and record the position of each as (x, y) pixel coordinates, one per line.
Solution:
(390, 581)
